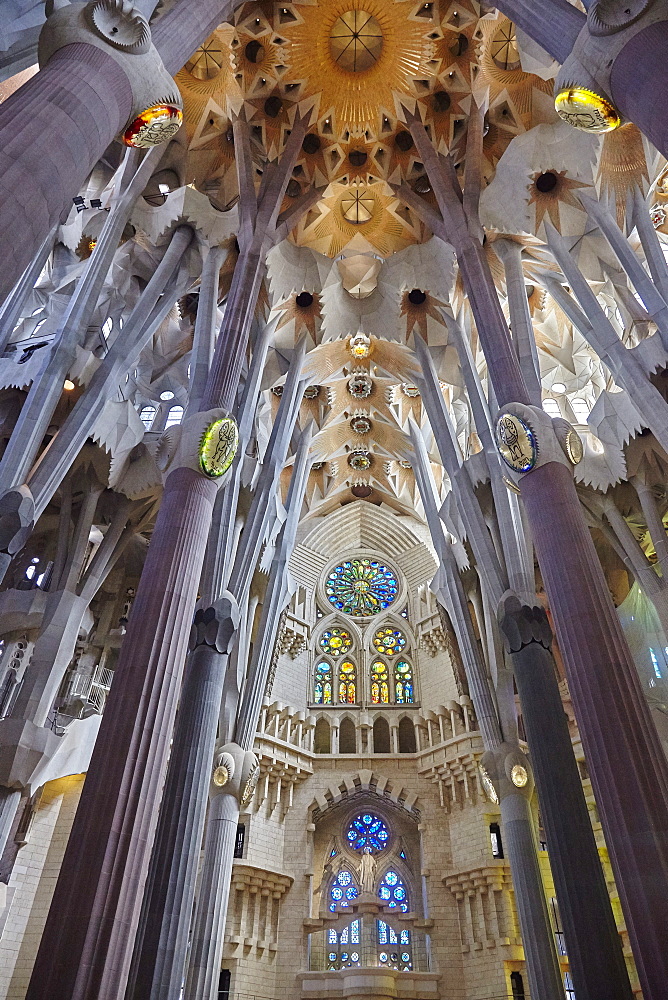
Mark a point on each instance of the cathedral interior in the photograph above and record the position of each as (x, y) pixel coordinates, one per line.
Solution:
(333, 500)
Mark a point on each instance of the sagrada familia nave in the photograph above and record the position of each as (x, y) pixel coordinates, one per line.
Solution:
(333, 500)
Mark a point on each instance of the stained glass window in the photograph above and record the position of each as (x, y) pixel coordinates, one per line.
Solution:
(361, 587)
(389, 641)
(347, 682)
(394, 947)
(403, 683)
(380, 690)
(392, 891)
(343, 948)
(342, 890)
(335, 641)
(367, 830)
(322, 690)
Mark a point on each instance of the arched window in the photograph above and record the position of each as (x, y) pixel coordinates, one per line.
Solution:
(403, 683)
(394, 947)
(343, 947)
(347, 737)
(322, 686)
(335, 642)
(175, 416)
(517, 985)
(406, 736)
(146, 415)
(347, 683)
(381, 736)
(323, 737)
(380, 689)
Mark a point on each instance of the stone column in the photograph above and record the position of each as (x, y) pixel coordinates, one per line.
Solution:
(86, 948)
(86, 945)
(211, 909)
(594, 947)
(54, 128)
(555, 28)
(209, 930)
(539, 946)
(628, 767)
(510, 254)
(170, 889)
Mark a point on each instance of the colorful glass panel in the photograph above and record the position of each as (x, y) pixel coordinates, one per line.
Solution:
(396, 947)
(342, 890)
(380, 689)
(403, 683)
(367, 830)
(361, 587)
(335, 642)
(389, 641)
(347, 682)
(393, 892)
(322, 688)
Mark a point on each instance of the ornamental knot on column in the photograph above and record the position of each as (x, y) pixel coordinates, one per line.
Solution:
(17, 512)
(216, 626)
(523, 625)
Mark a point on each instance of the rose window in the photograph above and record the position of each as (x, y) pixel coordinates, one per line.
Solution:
(367, 831)
(389, 641)
(361, 587)
(335, 641)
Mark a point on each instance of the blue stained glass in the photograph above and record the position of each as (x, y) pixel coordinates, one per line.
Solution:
(345, 878)
(332, 956)
(355, 932)
(405, 957)
(393, 891)
(369, 831)
(344, 936)
(382, 932)
(331, 938)
(361, 587)
(405, 937)
(351, 892)
(337, 892)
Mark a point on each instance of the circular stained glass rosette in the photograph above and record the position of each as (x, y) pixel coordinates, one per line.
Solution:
(218, 447)
(516, 442)
(367, 831)
(153, 126)
(335, 641)
(389, 641)
(361, 587)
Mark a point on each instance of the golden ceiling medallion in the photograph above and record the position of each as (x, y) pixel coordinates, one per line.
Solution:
(585, 110)
(153, 126)
(357, 206)
(356, 41)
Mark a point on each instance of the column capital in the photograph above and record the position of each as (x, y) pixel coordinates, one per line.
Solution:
(122, 32)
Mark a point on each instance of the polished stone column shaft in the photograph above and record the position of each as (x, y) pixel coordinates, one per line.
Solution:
(86, 955)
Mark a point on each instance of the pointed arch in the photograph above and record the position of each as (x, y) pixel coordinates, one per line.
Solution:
(379, 681)
(323, 736)
(407, 741)
(347, 736)
(323, 681)
(381, 735)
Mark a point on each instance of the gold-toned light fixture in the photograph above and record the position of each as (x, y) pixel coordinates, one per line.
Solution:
(356, 41)
(587, 111)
